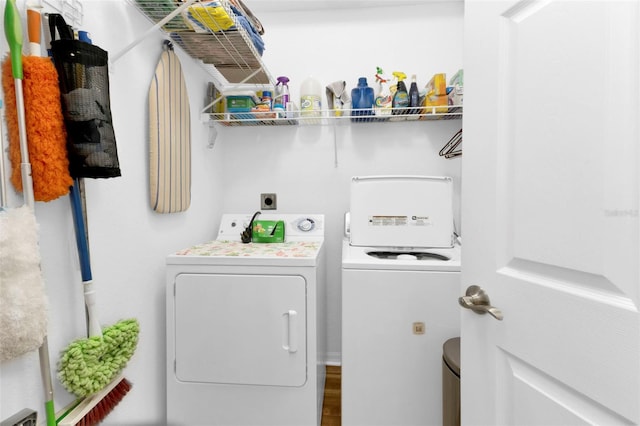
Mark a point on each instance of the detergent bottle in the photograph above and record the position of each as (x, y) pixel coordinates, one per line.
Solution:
(310, 97)
(383, 100)
(362, 100)
(401, 97)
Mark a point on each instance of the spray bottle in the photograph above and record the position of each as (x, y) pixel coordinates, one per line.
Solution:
(393, 86)
(401, 97)
(281, 101)
(383, 100)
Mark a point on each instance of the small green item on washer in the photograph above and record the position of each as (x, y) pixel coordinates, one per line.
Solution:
(88, 365)
(268, 231)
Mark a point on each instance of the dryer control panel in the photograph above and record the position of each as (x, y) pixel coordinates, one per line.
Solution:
(297, 226)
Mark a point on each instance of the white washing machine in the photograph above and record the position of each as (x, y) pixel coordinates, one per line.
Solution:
(400, 285)
(246, 327)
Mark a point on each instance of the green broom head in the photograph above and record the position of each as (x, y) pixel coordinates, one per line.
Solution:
(88, 365)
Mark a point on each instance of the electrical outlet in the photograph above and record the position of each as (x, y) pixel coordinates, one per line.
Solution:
(25, 417)
(418, 328)
(268, 201)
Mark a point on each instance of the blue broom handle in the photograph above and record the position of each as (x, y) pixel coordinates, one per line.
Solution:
(80, 227)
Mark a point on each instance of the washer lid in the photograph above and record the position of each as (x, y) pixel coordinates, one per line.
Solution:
(399, 259)
(401, 211)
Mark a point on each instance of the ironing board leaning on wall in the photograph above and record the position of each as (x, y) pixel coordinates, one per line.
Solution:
(169, 136)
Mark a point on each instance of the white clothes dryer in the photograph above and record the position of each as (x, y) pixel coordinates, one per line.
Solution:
(245, 327)
(400, 284)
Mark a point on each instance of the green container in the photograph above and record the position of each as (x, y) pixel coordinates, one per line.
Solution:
(267, 231)
(239, 103)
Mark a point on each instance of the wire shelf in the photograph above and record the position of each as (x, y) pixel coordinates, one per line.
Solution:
(329, 117)
(71, 10)
(156, 11)
(231, 52)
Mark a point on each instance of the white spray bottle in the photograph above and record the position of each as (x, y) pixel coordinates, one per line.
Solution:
(383, 99)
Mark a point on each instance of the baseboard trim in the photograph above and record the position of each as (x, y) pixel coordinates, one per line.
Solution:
(334, 358)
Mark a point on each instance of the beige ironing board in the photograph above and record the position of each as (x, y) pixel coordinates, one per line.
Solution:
(170, 137)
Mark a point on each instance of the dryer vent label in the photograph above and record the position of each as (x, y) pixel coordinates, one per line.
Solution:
(414, 220)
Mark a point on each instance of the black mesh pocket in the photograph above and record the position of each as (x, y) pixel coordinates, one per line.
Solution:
(84, 86)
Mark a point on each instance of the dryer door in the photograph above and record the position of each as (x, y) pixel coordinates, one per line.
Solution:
(240, 329)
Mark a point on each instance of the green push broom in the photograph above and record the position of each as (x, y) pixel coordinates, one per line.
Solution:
(90, 368)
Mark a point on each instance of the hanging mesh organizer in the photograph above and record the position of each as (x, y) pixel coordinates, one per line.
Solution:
(84, 85)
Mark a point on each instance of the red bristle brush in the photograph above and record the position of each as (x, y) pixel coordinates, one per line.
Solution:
(46, 132)
(92, 410)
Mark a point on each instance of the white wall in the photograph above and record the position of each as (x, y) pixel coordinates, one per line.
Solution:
(301, 164)
(128, 240)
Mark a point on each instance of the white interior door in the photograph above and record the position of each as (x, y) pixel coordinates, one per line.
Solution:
(550, 212)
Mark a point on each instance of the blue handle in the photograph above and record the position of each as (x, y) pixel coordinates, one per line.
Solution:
(81, 235)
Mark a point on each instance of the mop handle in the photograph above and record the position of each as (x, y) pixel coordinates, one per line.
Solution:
(3, 174)
(82, 240)
(34, 24)
(13, 32)
(80, 228)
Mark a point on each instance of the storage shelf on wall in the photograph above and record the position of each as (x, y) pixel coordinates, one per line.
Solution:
(233, 61)
(229, 55)
(326, 117)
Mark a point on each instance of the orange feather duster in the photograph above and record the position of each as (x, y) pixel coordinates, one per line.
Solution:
(46, 133)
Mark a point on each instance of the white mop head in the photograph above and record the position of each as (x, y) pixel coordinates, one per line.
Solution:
(23, 302)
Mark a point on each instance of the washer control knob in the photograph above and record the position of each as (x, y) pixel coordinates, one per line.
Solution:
(306, 224)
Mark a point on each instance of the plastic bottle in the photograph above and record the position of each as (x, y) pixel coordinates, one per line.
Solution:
(414, 96)
(393, 86)
(282, 92)
(362, 100)
(401, 97)
(266, 99)
(382, 101)
(310, 97)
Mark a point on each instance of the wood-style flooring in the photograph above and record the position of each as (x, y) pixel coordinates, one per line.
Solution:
(331, 407)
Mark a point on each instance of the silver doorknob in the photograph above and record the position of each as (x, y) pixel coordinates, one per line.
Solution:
(478, 301)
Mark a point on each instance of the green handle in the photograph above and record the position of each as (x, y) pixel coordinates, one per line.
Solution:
(50, 413)
(13, 32)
